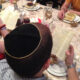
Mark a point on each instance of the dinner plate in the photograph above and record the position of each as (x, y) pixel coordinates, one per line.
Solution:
(59, 69)
(76, 19)
(36, 7)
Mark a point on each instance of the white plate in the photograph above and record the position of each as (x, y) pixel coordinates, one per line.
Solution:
(77, 19)
(59, 69)
(34, 8)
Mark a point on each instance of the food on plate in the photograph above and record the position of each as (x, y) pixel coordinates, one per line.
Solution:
(53, 59)
(69, 16)
(30, 5)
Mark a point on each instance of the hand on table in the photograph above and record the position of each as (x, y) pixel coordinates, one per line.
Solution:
(69, 56)
(61, 14)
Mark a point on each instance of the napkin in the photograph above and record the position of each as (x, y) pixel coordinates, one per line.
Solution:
(34, 20)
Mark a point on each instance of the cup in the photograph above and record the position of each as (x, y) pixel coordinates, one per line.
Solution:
(29, 2)
(49, 4)
(47, 15)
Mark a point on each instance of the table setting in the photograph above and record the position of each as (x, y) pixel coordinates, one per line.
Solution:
(65, 33)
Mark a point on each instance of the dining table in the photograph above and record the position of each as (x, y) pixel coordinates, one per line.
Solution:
(55, 22)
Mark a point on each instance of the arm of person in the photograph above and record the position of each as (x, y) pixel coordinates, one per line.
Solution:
(72, 74)
(76, 12)
(71, 70)
(3, 29)
(63, 10)
(3, 32)
(2, 48)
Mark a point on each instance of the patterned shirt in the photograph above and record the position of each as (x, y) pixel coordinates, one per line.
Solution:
(6, 73)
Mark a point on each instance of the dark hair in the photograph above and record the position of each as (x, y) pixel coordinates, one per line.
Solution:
(27, 48)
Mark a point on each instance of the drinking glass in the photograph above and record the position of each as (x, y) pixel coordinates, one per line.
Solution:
(47, 14)
(49, 4)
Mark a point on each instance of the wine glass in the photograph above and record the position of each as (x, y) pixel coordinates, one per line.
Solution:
(49, 4)
(47, 14)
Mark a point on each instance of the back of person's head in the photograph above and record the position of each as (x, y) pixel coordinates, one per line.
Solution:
(27, 48)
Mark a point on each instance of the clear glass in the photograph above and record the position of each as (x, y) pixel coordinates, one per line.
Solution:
(47, 15)
(49, 4)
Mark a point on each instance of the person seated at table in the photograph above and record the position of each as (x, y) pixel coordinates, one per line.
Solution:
(75, 4)
(28, 50)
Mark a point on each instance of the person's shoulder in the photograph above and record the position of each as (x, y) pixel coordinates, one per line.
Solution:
(6, 73)
(5, 70)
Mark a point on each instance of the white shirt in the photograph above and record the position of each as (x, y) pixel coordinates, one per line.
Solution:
(6, 73)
